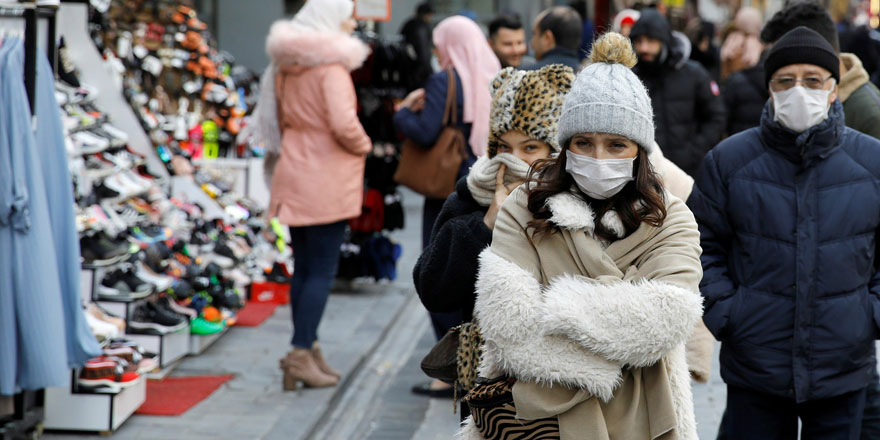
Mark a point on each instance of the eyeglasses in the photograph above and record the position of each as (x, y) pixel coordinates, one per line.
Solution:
(787, 82)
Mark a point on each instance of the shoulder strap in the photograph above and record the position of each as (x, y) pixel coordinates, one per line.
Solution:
(450, 114)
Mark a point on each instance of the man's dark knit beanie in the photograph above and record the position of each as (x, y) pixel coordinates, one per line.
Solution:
(801, 45)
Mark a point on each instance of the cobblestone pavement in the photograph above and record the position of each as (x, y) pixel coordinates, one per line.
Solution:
(376, 334)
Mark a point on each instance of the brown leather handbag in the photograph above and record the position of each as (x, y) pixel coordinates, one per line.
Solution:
(432, 172)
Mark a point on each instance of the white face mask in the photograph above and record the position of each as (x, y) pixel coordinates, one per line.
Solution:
(599, 179)
(800, 108)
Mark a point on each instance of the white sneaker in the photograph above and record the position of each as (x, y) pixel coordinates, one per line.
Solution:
(116, 183)
(162, 282)
(101, 328)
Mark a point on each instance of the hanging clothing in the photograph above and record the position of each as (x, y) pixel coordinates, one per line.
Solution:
(81, 343)
(41, 328)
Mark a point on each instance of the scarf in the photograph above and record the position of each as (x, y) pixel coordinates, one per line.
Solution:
(463, 47)
(481, 179)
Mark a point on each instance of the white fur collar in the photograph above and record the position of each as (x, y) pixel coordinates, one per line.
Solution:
(286, 45)
(573, 213)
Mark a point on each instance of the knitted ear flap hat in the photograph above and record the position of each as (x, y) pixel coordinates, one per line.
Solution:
(607, 97)
(529, 102)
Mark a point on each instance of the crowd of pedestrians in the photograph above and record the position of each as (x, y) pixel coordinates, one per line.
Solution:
(612, 213)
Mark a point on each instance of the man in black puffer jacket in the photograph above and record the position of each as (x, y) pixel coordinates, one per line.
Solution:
(688, 111)
(789, 213)
(744, 97)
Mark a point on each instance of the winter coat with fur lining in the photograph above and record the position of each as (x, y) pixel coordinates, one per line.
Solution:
(319, 176)
(563, 310)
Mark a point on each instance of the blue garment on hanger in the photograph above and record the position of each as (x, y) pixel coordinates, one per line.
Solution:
(35, 348)
(81, 343)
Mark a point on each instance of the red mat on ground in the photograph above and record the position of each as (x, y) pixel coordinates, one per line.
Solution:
(174, 396)
(254, 313)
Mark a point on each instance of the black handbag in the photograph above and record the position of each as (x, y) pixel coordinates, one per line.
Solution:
(442, 361)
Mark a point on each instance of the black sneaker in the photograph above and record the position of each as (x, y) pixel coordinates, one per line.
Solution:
(100, 250)
(150, 319)
(123, 285)
(181, 289)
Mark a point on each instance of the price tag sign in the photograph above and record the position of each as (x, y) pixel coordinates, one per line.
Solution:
(375, 10)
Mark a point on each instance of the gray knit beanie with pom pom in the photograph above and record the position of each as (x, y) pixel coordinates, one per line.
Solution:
(607, 97)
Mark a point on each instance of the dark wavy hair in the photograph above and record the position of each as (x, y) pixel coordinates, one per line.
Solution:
(640, 201)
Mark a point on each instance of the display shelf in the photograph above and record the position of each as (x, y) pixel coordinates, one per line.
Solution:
(98, 412)
(170, 347)
(199, 343)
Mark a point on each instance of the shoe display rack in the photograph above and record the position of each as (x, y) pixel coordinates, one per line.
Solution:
(157, 247)
(70, 409)
(171, 344)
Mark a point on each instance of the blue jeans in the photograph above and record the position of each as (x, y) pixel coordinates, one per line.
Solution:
(315, 260)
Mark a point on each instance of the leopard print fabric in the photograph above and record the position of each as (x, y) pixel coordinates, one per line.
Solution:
(470, 350)
(528, 101)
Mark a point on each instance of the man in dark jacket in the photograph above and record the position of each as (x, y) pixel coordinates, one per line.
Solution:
(688, 111)
(556, 37)
(788, 216)
(860, 98)
(417, 32)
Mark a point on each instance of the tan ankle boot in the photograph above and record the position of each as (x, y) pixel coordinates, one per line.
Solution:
(322, 364)
(299, 366)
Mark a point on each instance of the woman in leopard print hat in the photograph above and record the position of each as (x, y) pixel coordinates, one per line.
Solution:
(525, 108)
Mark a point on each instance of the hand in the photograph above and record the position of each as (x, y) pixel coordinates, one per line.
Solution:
(415, 101)
(502, 190)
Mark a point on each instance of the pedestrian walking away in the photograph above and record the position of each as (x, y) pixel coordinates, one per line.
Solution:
(788, 254)
(593, 266)
(317, 184)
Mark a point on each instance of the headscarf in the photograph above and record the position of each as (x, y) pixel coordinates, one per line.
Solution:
(463, 47)
(315, 16)
(322, 15)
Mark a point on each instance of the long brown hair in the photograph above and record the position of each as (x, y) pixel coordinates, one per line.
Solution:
(640, 201)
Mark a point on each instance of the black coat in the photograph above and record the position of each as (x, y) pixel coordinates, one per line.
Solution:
(446, 272)
(788, 225)
(417, 33)
(688, 111)
(744, 97)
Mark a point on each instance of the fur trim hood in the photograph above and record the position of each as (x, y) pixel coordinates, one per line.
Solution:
(286, 45)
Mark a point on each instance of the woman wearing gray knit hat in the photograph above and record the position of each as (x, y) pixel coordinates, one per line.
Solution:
(522, 129)
(588, 293)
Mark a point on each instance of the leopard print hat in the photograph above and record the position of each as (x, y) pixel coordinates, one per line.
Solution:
(530, 102)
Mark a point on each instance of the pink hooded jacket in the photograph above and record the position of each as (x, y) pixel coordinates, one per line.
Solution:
(319, 176)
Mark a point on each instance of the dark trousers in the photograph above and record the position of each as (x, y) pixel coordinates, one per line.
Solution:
(315, 260)
(441, 322)
(754, 415)
(871, 419)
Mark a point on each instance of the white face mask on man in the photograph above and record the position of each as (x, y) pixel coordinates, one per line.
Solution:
(599, 179)
(800, 108)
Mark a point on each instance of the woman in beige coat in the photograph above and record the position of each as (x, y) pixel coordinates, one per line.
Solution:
(588, 292)
(318, 180)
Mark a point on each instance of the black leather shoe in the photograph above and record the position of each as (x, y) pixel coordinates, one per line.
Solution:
(425, 389)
